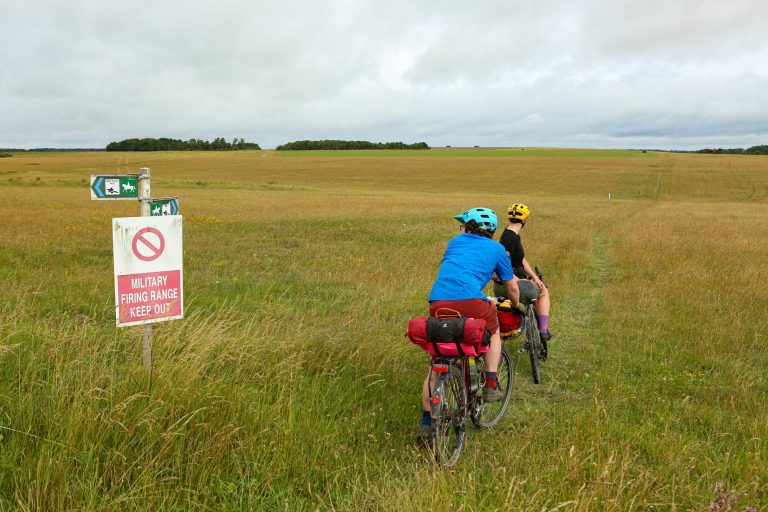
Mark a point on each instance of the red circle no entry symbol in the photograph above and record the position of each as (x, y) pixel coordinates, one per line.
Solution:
(148, 244)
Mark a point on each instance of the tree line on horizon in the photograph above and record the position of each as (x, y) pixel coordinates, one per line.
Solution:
(220, 144)
(754, 150)
(301, 145)
(166, 144)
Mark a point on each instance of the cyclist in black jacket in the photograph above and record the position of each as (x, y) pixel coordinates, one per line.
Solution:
(530, 285)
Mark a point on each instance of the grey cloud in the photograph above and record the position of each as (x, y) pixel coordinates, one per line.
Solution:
(684, 29)
(83, 73)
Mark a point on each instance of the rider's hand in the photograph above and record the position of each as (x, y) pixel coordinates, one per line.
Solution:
(539, 283)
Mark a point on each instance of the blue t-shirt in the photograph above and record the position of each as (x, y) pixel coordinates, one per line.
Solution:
(468, 264)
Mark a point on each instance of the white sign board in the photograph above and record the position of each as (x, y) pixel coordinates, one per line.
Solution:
(149, 284)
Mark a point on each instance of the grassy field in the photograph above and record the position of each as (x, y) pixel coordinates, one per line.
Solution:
(474, 153)
(290, 385)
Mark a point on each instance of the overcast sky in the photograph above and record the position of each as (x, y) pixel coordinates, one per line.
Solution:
(669, 74)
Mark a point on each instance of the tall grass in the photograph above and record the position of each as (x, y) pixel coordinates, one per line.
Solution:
(290, 386)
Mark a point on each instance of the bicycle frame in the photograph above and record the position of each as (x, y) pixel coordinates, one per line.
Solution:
(440, 365)
(464, 364)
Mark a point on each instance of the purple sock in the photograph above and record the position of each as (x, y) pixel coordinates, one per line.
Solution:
(543, 323)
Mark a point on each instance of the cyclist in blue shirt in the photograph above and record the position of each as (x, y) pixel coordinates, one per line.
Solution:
(470, 260)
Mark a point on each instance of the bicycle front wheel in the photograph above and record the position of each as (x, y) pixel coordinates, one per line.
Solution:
(533, 343)
(489, 414)
(449, 423)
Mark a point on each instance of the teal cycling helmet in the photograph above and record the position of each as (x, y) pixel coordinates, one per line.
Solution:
(485, 218)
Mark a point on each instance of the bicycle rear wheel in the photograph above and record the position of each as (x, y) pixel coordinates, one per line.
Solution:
(533, 343)
(489, 414)
(449, 423)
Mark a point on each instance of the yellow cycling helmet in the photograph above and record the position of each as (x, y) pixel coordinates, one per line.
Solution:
(518, 211)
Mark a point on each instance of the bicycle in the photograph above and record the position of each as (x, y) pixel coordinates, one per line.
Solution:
(458, 394)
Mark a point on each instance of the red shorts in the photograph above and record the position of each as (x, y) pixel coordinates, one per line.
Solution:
(474, 308)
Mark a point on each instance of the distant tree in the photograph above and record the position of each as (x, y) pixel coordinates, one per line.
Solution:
(721, 151)
(166, 144)
(758, 150)
(304, 145)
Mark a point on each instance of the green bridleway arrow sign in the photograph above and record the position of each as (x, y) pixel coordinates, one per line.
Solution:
(114, 186)
(160, 206)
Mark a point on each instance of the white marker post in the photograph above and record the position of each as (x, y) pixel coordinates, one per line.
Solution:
(145, 198)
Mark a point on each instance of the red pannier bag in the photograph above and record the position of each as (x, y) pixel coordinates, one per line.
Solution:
(509, 323)
(509, 319)
(450, 337)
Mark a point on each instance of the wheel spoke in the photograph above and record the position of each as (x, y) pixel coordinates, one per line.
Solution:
(533, 344)
(448, 422)
(489, 414)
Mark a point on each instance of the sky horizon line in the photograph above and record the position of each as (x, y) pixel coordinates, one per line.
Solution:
(431, 146)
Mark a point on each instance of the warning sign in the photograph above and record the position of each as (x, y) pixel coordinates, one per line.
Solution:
(148, 269)
(148, 244)
(149, 296)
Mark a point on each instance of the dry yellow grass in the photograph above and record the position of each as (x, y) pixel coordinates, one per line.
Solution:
(290, 385)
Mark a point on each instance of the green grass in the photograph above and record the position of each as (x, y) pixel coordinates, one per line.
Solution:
(290, 386)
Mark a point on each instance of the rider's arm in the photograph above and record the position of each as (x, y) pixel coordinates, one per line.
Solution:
(513, 292)
(532, 274)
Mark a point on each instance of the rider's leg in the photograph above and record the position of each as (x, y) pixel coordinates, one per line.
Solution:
(426, 419)
(542, 310)
(493, 356)
(491, 391)
(542, 305)
(425, 405)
